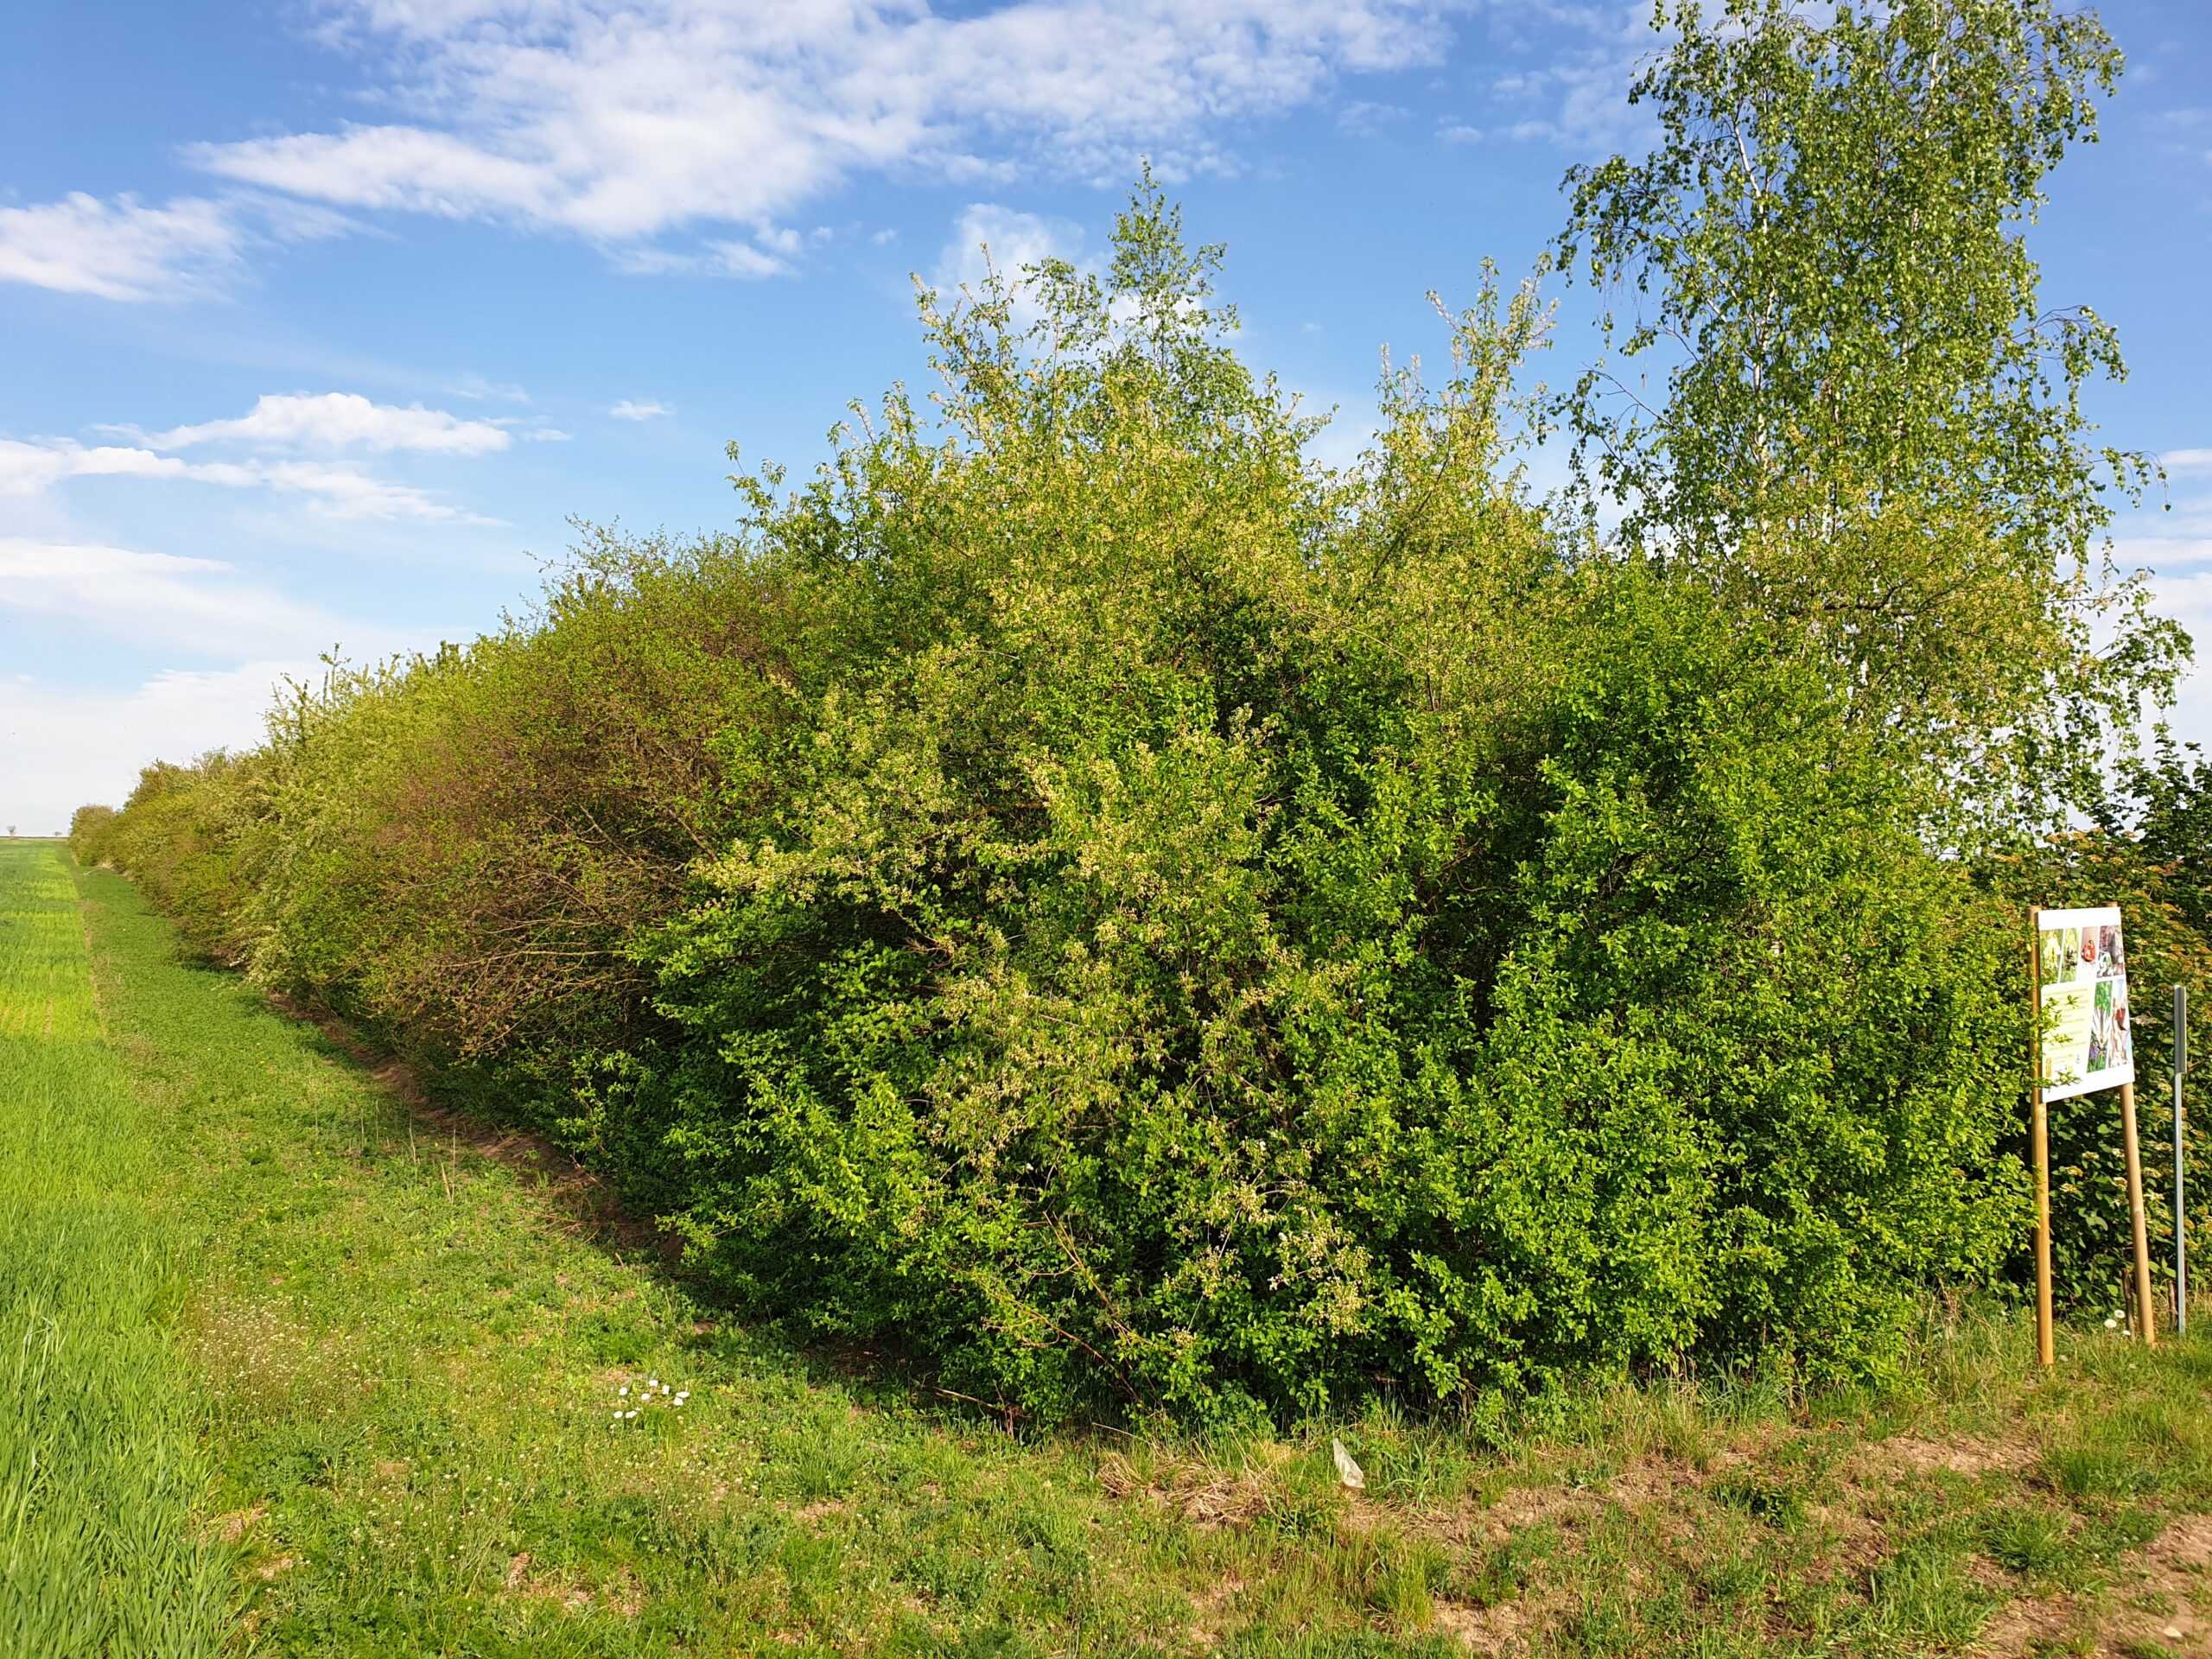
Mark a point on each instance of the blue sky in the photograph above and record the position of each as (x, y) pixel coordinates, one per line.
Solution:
(318, 318)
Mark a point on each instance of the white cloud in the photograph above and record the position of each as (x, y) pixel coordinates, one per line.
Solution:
(1582, 93)
(32, 468)
(622, 120)
(768, 255)
(156, 597)
(337, 420)
(126, 249)
(2174, 546)
(2187, 598)
(2162, 552)
(118, 250)
(341, 491)
(69, 747)
(629, 409)
(2169, 537)
(68, 743)
(404, 167)
(739, 259)
(726, 257)
(987, 236)
(477, 389)
(629, 122)
(2187, 460)
(1365, 118)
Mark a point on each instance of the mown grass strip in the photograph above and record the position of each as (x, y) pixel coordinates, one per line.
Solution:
(101, 1456)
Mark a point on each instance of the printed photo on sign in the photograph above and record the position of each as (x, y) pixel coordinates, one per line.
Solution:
(2082, 998)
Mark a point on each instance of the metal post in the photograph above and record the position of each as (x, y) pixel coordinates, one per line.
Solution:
(2181, 1228)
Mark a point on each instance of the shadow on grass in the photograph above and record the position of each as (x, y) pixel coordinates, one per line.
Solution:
(448, 1108)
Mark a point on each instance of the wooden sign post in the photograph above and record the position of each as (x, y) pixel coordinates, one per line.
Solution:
(2039, 1139)
(2083, 1042)
(2180, 1223)
(2146, 1312)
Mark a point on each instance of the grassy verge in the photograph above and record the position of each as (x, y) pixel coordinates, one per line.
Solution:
(412, 1359)
(101, 1455)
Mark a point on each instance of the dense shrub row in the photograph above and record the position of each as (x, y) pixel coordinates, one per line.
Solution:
(1127, 911)
(1083, 891)
(1646, 1108)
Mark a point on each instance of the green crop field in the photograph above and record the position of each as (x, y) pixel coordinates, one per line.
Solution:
(298, 1370)
(103, 1452)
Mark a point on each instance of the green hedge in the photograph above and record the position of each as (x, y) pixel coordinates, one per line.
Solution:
(1138, 917)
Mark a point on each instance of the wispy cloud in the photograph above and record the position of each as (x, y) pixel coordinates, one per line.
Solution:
(630, 409)
(342, 492)
(32, 468)
(1579, 99)
(2186, 597)
(987, 236)
(742, 260)
(339, 490)
(157, 598)
(71, 745)
(478, 390)
(119, 250)
(1365, 118)
(679, 137)
(127, 250)
(625, 120)
(335, 421)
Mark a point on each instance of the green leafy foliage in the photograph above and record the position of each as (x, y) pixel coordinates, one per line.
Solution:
(1840, 395)
(179, 835)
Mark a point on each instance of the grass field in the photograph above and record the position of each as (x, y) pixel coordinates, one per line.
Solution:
(103, 1452)
(379, 1361)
